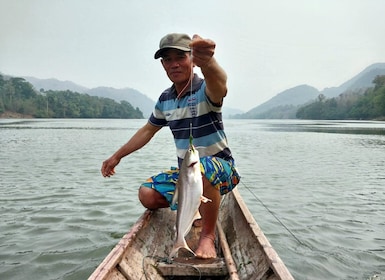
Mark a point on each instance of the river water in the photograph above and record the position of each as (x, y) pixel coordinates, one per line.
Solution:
(316, 188)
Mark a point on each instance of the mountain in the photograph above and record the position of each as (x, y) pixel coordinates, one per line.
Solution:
(294, 96)
(54, 84)
(228, 112)
(286, 103)
(134, 97)
(362, 80)
(283, 105)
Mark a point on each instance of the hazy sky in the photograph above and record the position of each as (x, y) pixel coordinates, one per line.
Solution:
(264, 46)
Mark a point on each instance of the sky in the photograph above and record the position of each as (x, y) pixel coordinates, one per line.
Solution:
(265, 46)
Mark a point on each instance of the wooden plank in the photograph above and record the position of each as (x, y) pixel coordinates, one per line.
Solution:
(108, 266)
(115, 274)
(230, 264)
(151, 243)
(275, 262)
(193, 267)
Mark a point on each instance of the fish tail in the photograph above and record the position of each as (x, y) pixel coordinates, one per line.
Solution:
(179, 245)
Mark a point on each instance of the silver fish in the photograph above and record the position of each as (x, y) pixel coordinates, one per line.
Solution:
(188, 194)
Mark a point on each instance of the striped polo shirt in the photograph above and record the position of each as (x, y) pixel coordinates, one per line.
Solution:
(192, 113)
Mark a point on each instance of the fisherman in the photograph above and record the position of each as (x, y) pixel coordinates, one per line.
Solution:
(190, 107)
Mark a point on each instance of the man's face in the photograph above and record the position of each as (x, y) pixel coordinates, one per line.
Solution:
(177, 65)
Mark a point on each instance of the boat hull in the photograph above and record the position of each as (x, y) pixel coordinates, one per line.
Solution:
(243, 250)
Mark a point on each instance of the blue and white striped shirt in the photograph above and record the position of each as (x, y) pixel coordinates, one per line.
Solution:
(193, 112)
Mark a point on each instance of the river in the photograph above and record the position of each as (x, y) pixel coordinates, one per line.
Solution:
(316, 188)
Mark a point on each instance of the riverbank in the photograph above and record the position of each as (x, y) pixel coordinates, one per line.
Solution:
(13, 115)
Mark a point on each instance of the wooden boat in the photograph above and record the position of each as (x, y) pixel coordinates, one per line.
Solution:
(243, 250)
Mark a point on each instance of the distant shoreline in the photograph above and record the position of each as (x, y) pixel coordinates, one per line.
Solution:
(13, 115)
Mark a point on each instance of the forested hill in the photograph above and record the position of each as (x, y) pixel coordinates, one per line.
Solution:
(285, 104)
(132, 96)
(365, 104)
(18, 96)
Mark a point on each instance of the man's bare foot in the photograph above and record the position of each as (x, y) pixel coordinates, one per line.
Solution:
(206, 248)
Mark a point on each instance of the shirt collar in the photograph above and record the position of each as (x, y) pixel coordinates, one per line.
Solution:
(196, 83)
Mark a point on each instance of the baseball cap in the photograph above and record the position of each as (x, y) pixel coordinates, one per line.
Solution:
(173, 41)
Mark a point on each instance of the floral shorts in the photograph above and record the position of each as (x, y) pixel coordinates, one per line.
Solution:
(222, 174)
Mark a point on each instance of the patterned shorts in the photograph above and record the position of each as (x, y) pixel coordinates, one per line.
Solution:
(222, 174)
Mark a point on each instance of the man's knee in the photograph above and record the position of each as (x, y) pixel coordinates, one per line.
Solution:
(151, 198)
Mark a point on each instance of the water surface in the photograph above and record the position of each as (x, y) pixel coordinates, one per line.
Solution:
(316, 188)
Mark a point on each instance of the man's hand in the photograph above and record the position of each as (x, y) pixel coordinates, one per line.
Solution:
(202, 50)
(108, 167)
(215, 76)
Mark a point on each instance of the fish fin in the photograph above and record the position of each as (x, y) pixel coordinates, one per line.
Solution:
(197, 216)
(175, 196)
(205, 199)
(179, 245)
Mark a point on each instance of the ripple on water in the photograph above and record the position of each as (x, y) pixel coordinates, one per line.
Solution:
(59, 218)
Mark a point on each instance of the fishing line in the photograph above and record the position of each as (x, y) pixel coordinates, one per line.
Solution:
(275, 216)
(192, 111)
(192, 266)
(190, 102)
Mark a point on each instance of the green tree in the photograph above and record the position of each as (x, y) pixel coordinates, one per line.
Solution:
(361, 104)
(17, 95)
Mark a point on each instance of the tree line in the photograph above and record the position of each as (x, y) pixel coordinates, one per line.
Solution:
(359, 105)
(18, 96)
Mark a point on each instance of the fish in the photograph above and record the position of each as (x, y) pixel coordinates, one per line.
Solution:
(188, 195)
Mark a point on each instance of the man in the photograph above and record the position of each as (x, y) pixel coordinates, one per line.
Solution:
(190, 105)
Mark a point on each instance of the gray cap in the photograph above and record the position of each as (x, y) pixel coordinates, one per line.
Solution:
(174, 41)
